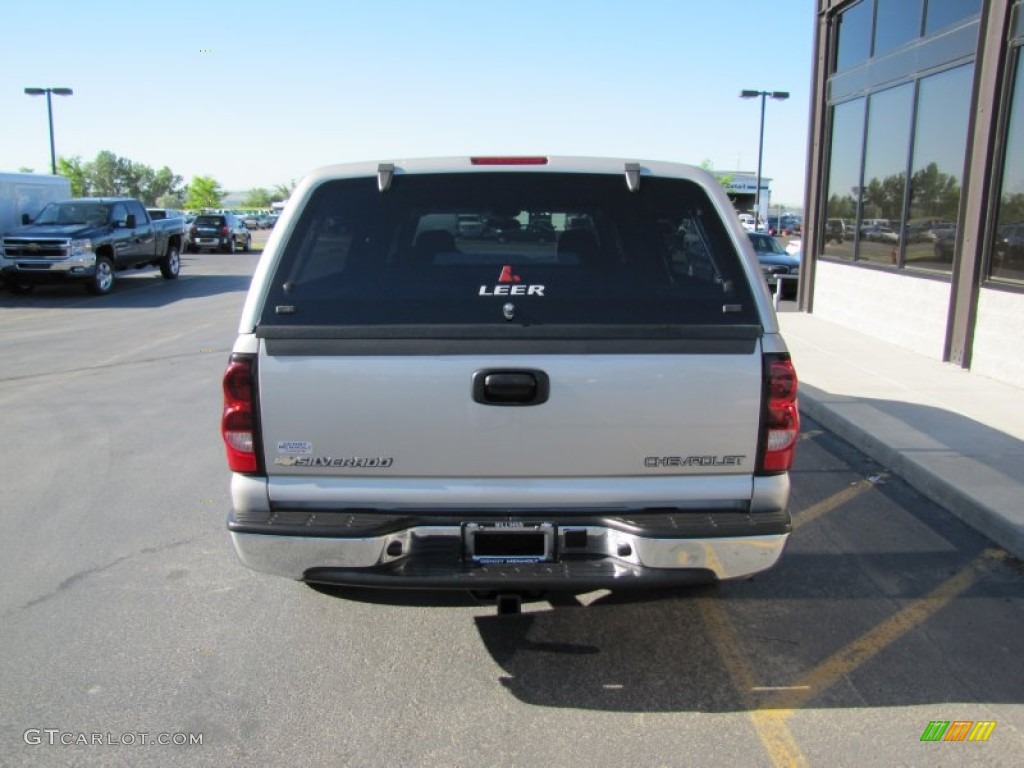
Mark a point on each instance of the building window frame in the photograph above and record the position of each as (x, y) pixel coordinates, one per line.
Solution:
(1014, 68)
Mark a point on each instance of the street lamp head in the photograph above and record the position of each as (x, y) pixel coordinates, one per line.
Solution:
(774, 94)
(749, 94)
(44, 91)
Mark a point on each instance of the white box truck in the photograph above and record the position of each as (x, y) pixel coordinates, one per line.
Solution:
(27, 194)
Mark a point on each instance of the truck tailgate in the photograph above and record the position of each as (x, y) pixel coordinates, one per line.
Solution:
(415, 417)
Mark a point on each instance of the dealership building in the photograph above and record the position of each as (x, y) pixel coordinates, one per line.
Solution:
(914, 217)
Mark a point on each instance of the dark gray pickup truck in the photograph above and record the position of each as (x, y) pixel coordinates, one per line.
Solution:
(88, 240)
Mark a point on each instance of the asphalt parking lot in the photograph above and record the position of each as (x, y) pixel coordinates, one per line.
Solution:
(124, 611)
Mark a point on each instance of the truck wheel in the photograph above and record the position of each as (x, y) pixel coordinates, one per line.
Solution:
(170, 265)
(19, 287)
(101, 283)
(248, 244)
(231, 245)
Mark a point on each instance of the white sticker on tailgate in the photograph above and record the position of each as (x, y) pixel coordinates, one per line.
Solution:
(295, 447)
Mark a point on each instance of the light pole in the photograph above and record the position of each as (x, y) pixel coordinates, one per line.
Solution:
(49, 113)
(780, 95)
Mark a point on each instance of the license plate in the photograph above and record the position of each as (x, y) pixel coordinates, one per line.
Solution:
(509, 542)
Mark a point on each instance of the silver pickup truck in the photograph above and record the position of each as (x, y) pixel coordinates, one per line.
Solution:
(598, 398)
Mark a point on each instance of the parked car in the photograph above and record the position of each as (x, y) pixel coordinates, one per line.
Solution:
(787, 223)
(837, 230)
(220, 232)
(877, 233)
(405, 408)
(87, 240)
(470, 225)
(775, 261)
(161, 214)
(1010, 242)
(944, 243)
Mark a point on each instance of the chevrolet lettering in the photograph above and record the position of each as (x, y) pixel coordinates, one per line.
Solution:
(694, 461)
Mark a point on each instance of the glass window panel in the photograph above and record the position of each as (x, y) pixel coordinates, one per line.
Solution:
(844, 179)
(1008, 245)
(897, 22)
(942, 13)
(885, 174)
(854, 35)
(940, 141)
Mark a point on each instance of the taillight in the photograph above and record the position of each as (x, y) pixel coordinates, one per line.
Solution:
(782, 418)
(237, 425)
(513, 160)
(224, 230)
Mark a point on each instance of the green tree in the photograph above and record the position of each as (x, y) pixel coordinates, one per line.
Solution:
(844, 207)
(722, 178)
(258, 197)
(1011, 208)
(102, 175)
(934, 194)
(164, 184)
(282, 192)
(72, 169)
(110, 175)
(203, 192)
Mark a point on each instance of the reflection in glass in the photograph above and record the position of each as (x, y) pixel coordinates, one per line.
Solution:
(940, 141)
(885, 174)
(942, 13)
(853, 45)
(1008, 240)
(843, 179)
(897, 22)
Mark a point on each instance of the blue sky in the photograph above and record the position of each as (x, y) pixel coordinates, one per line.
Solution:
(259, 93)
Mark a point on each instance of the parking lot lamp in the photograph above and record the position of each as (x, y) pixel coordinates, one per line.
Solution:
(780, 95)
(49, 113)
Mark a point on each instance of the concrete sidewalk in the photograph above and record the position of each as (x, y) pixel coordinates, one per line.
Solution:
(955, 436)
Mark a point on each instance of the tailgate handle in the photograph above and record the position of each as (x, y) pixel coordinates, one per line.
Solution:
(511, 387)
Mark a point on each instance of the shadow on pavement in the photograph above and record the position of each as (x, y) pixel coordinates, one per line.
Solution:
(882, 599)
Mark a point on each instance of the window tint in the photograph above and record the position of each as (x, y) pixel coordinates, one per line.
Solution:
(940, 143)
(1008, 242)
(942, 13)
(897, 22)
(135, 209)
(765, 243)
(512, 250)
(209, 221)
(853, 44)
(844, 178)
(885, 174)
(119, 214)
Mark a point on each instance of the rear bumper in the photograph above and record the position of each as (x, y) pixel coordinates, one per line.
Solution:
(645, 550)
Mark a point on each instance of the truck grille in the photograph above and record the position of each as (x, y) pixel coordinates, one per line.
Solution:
(32, 248)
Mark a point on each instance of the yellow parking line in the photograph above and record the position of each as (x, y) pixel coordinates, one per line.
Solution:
(769, 724)
(771, 713)
(824, 506)
(853, 655)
